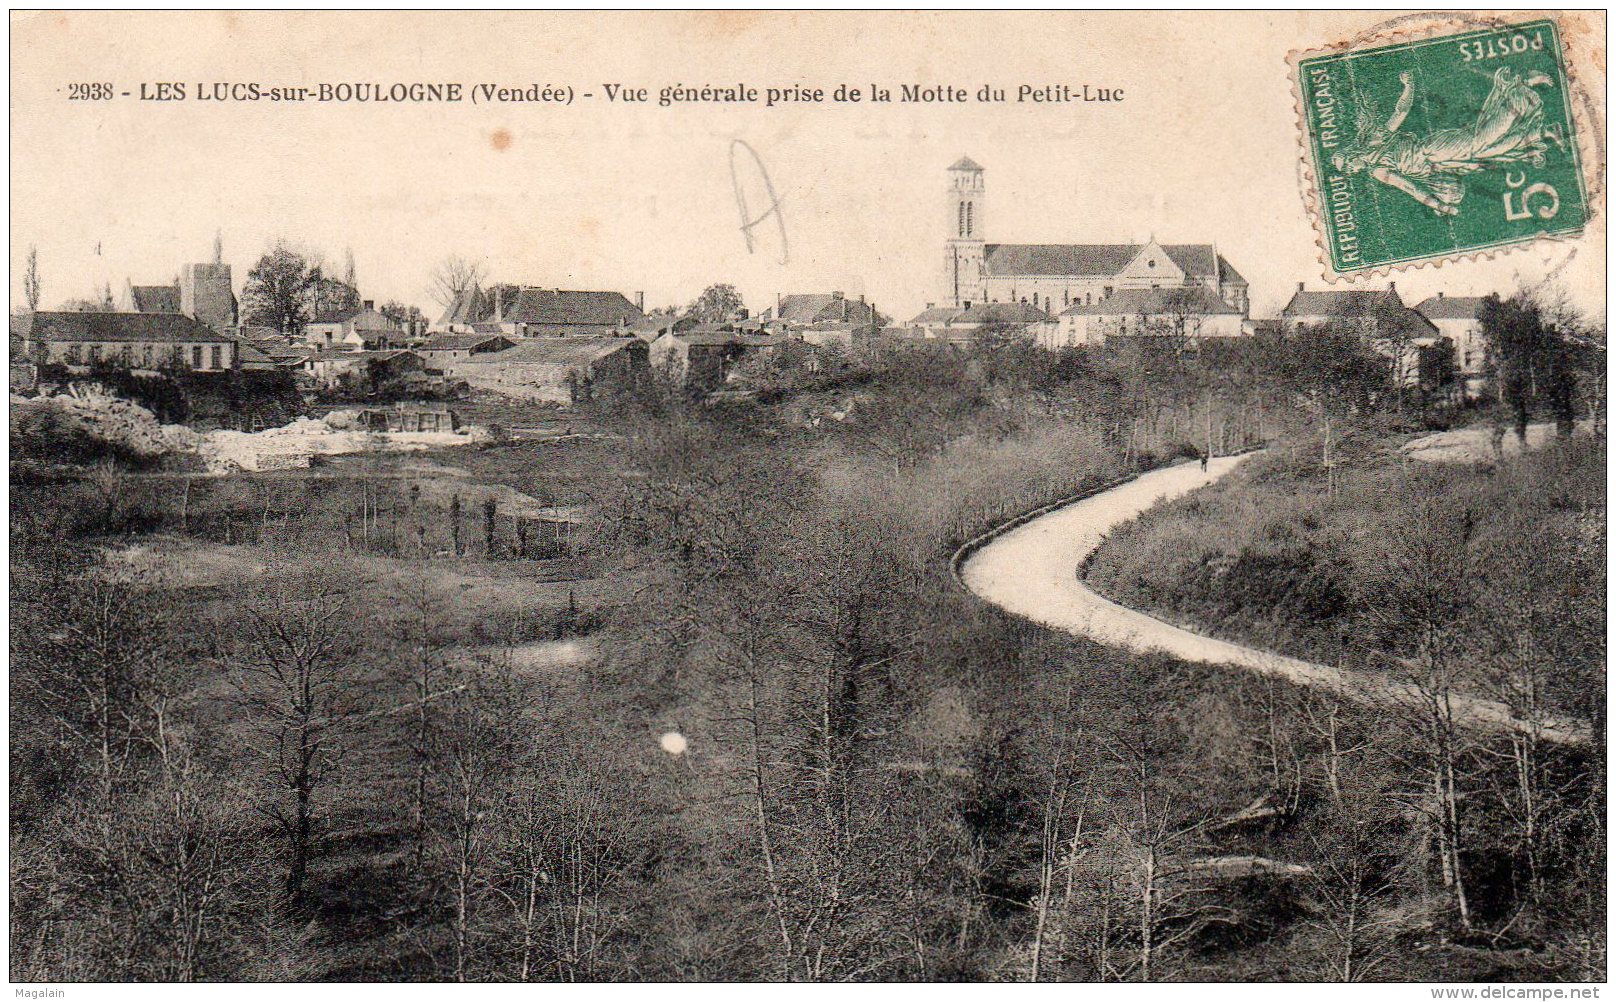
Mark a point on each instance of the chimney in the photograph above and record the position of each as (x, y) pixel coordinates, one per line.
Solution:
(639, 301)
(1439, 295)
(777, 303)
(836, 295)
(499, 303)
(1300, 288)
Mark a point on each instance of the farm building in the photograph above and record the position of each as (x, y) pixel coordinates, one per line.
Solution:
(446, 348)
(562, 370)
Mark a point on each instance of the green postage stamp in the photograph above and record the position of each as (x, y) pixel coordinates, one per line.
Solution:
(1440, 146)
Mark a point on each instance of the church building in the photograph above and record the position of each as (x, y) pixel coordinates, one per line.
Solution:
(1054, 277)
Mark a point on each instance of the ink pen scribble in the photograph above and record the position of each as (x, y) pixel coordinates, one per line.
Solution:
(748, 222)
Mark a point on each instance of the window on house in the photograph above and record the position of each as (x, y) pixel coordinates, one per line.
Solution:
(95, 353)
(217, 357)
(962, 219)
(970, 222)
(146, 357)
(126, 355)
(72, 355)
(196, 357)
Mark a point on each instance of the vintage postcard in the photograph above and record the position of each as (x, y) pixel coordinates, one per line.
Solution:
(783, 496)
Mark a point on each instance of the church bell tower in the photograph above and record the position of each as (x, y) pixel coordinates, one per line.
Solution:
(965, 278)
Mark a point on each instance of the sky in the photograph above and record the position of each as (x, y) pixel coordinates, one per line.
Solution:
(635, 197)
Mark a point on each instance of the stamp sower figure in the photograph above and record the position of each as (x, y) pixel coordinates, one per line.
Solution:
(1508, 130)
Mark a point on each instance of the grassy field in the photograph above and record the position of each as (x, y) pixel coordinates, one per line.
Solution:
(1290, 557)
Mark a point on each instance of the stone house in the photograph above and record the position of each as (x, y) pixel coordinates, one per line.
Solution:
(443, 349)
(331, 368)
(560, 370)
(1188, 312)
(1458, 318)
(1402, 335)
(134, 340)
(363, 329)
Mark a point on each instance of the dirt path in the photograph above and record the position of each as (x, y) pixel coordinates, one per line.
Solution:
(1475, 444)
(1032, 572)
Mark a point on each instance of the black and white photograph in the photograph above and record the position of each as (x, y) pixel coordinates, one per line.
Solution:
(740, 496)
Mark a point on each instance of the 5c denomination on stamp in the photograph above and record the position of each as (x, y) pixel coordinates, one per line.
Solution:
(1439, 146)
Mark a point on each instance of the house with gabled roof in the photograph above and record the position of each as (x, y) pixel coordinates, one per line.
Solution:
(1190, 313)
(1404, 336)
(1458, 318)
(356, 329)
(470, 306)
(963, 325)
(443, 349)
(539, 313)
(331, 368)
(557, 369)
(133, 340)
(808, 309)
(1378, 312)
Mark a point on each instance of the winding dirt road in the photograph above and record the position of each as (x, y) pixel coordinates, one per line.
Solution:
(1032, 571)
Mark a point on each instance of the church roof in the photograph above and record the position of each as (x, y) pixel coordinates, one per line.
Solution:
(154, 298)
(966, 163)
(1191, 299)
(1099, 260)
(1452, 307)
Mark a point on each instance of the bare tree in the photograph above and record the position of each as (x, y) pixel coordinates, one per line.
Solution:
(30, 280)
(294, 676)
(422, 634)
(96, 664)
(1351, 885)
(453, 277)
(1158, 823)
(1415, 599)
(566, 834)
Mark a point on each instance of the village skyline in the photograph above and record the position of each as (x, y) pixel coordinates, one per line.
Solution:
(573, 198)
